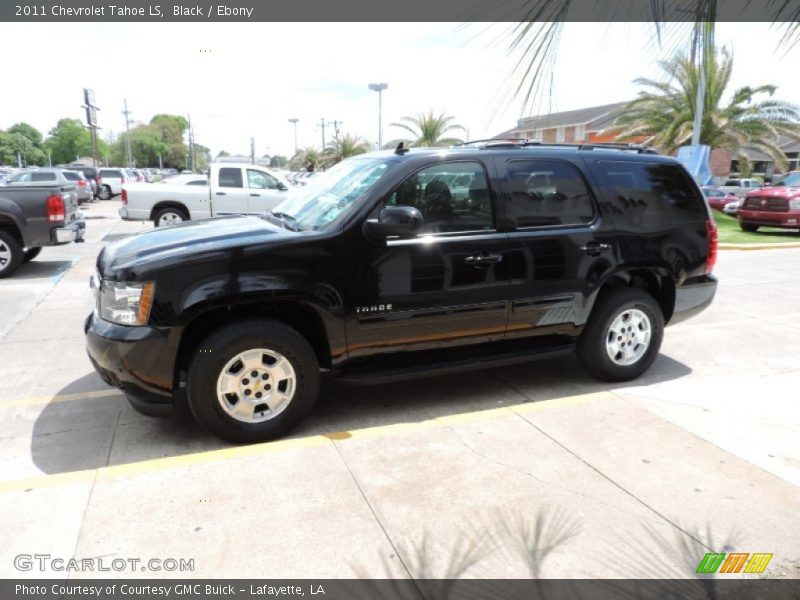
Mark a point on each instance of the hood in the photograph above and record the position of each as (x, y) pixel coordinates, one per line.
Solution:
(777, 192)
(193, 240)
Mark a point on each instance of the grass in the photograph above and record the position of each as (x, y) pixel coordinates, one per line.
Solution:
(731, 233)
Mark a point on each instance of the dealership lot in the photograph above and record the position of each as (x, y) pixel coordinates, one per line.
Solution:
(527, 470)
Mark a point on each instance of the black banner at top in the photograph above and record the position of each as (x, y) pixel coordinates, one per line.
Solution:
(66, 11)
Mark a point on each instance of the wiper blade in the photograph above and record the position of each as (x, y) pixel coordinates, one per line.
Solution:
(284, 219)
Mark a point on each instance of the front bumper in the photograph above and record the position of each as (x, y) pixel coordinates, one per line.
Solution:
(693, 296)
(784, 220)
(72, 232)
(137, 360)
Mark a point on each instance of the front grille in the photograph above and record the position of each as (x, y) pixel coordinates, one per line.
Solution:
(766, 204)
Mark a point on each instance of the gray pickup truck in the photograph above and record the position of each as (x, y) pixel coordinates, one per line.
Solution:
(37, 208)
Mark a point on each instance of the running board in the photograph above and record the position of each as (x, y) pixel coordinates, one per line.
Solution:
(499, 359)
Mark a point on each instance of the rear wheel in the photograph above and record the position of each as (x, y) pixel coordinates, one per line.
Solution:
(253, 380)
(11, 254)
(748, 227)
(31, 253)
(169, 216)
(104, 193)
(623, 335)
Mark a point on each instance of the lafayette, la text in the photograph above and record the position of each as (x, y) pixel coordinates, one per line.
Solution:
(179, 589)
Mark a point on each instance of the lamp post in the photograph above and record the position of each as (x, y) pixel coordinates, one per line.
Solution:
(294, 121)
(379, 87)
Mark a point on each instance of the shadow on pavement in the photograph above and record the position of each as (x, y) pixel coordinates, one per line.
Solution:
(100, 431)
(41, 268)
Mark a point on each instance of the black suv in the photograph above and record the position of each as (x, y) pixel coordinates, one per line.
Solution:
(398, 264)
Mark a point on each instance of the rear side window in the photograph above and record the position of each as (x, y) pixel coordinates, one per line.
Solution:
(111, 173)
(653, 194)
(229, 177)
(72, 176)
(548, 193)
(43, 176)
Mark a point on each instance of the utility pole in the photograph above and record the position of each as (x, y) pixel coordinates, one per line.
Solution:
(294, 121)
(128, 153)
(191, 145)
(252, 151)
(91, 121)
(322, 124)
(336, 128)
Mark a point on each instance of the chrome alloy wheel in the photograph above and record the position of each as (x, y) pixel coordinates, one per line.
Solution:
(169, 218)
(5, 255)
(628, 337)
(256, 385)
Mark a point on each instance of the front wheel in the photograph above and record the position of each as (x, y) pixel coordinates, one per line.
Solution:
(623, 335)
(31, 253)
(104, 193)
(169, 216)
(252, 380)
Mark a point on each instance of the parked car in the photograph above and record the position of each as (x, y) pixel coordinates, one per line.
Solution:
(771, 207)
(37, 208)
(92, 174)
(791, 179)
(717, 199)
(233, 189)
(740, 187)
(111, 182)
(82, 185)
(368, 275)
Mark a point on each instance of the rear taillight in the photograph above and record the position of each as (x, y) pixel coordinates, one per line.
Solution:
(123, 180)
(55, 208)
(713, 241)
(82, 182)
(124, 196)
(98, 180)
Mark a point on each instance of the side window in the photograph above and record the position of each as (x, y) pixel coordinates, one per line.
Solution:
(548, 193)
(261, 181)
(653, 195)
(43, 177)
(230, 177)
(452, 197)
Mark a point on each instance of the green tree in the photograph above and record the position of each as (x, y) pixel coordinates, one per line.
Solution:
(12, 144)
(428, 129)
(278, 161)
(343, 147)
(664, 113)
(306, 158)
(29, 132)
(68, 140)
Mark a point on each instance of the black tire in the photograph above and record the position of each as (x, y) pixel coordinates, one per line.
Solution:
(221, 347)
(11, 254)
(748, 227)
(31, 253)
(104, 193)
(177, 216)
(592, 350)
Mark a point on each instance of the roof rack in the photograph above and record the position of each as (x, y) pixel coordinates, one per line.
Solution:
(521, 143)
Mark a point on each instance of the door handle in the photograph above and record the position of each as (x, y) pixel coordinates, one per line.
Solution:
(483, 259)
(220, 193)
(256, 195)
(595, 248)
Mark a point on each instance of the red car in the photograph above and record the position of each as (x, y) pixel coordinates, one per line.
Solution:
(771, 207)
(717, 199)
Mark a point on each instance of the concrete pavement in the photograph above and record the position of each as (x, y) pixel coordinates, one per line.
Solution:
(531, 470)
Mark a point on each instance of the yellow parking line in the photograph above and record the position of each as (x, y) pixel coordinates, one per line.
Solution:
(59, 398)
(185, 460)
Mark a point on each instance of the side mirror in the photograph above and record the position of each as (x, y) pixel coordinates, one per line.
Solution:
(400, 221)
(282, 187)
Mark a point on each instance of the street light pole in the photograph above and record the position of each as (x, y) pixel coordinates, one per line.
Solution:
(379, 87)
(294, 121)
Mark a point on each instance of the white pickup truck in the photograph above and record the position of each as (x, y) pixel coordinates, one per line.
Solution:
(741, 187)
(230, 189)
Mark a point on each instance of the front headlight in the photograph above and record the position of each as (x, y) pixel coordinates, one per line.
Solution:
(126, 303)
(794, 204)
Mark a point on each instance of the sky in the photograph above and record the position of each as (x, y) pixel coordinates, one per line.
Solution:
(243, 80)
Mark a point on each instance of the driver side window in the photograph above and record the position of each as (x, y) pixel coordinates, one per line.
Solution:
(261, 181)
(452, 197)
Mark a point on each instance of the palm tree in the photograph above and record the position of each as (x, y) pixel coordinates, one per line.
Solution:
(306, 158)
(664, 114)
(428, 130)
(537, 38)
(343, 147)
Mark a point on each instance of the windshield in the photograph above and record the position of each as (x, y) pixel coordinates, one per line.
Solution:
(330, 196)
(790, 180)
